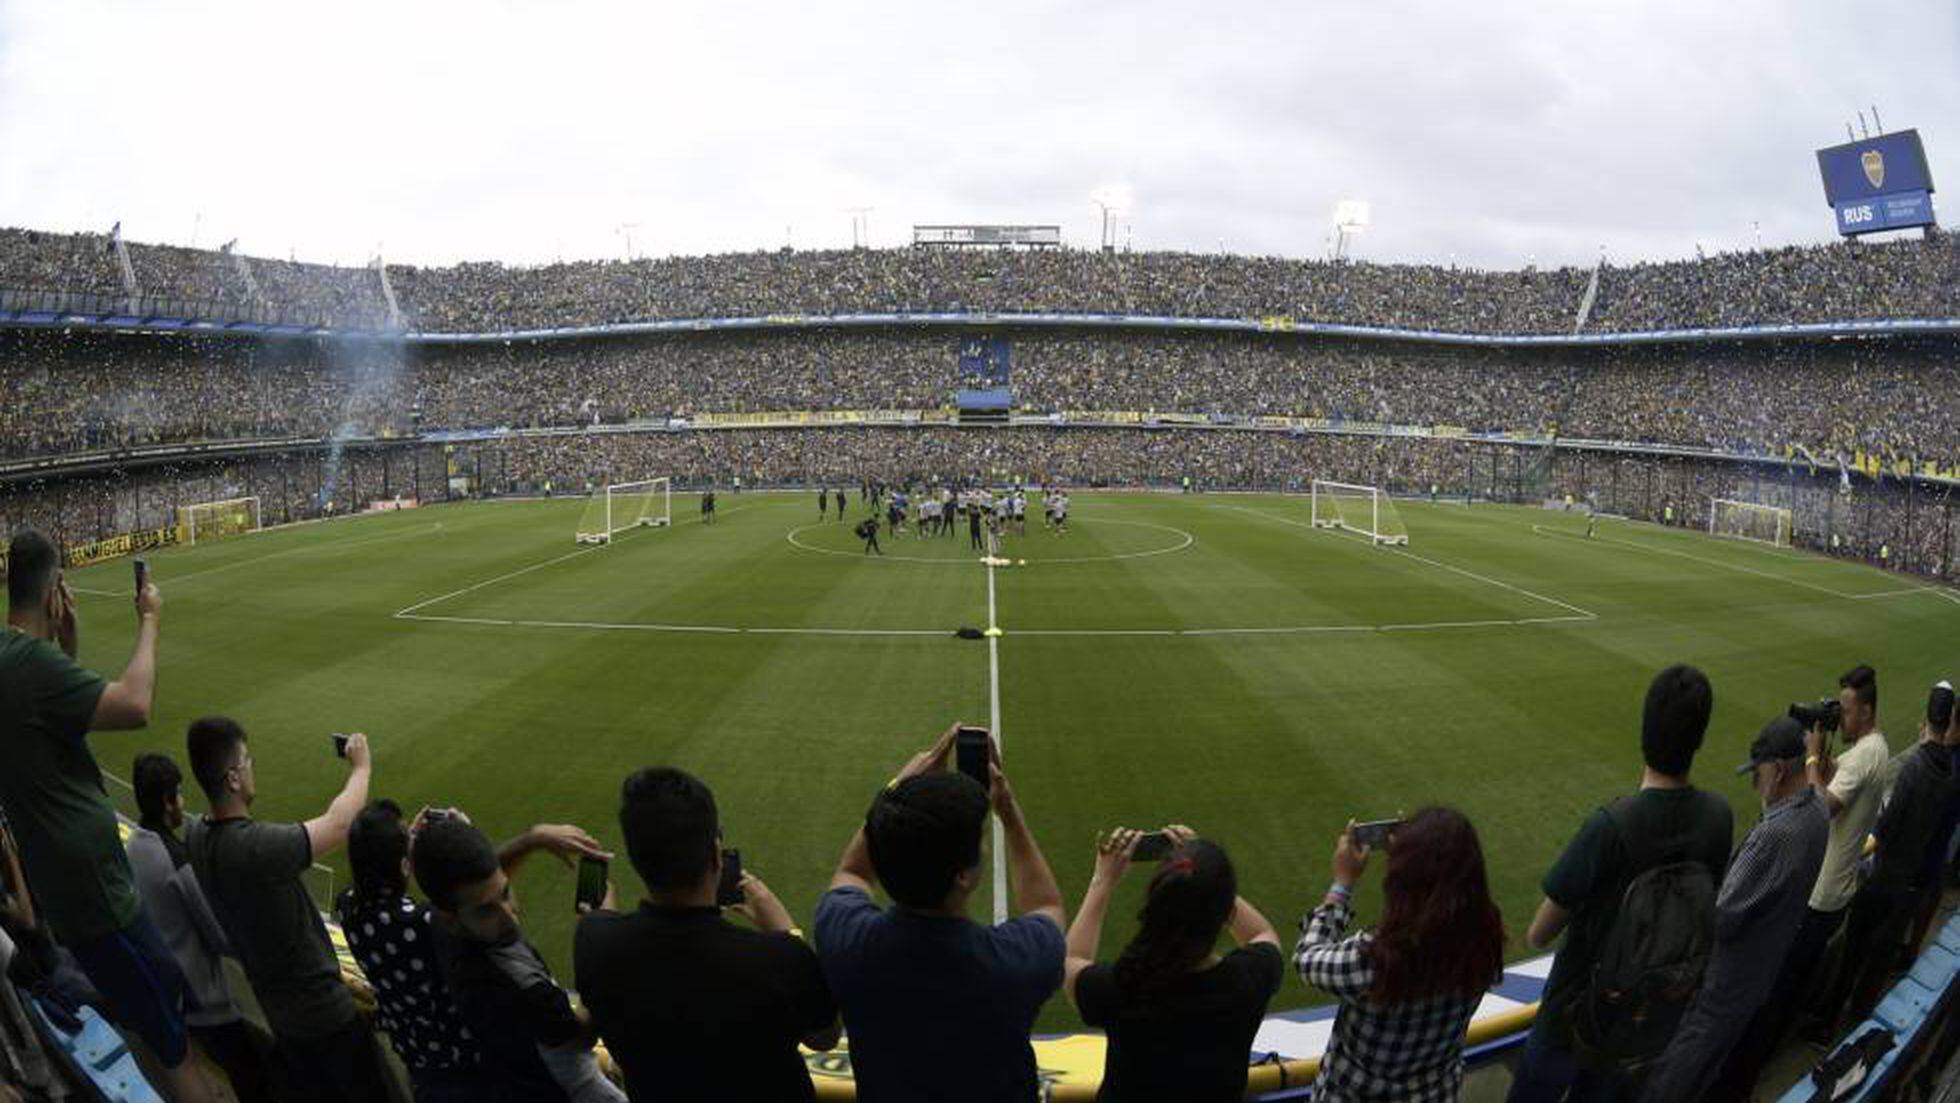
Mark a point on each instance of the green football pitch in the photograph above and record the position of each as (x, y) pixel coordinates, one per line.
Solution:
(1211, 660)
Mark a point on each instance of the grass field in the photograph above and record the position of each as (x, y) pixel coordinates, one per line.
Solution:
(1209, 660)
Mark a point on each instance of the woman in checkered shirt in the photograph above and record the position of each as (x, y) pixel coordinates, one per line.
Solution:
(1408, 988)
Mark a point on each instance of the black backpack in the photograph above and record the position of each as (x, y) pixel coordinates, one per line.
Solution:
(1652, 959)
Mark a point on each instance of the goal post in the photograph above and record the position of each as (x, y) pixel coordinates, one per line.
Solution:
(1364, 510)
(1738, 520)
(205, 521)
(620, 506)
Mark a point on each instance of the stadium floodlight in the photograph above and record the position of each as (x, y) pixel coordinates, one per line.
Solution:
(1351, 216)
(622, 506)
(1363, 510)
(1113, 199)
(209, 521)
(1750, 521)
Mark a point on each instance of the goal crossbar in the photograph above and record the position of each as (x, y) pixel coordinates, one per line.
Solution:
(1364, 510)
(620, 506)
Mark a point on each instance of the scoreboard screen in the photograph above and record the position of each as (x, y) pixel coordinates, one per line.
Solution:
(1879, 183)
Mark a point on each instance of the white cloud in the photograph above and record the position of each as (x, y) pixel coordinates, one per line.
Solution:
(523, 131)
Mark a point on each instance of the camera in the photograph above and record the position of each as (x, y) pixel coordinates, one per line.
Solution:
(1826, 714)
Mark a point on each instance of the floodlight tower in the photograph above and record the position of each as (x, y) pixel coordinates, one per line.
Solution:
(1113, 199)
(625, 230)
(1351, 217)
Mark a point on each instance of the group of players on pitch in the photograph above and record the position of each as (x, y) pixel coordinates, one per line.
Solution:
(933, 512)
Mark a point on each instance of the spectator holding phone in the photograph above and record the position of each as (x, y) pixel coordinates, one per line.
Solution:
(1408, 987)
(1180, 1018)
(680, 995)
(536, 1045)
(51, 790)
(937, 1006)
(391, 934)
(251, 872)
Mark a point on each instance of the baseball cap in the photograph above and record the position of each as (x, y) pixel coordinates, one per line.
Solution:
(1781, 738)
(1939, 705)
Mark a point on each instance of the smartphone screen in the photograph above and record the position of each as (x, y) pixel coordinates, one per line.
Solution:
(972, 751)
(340, 744)
(1374, 833)
(591, 882)
(1152, 847)
(729, 892)
(142, 568)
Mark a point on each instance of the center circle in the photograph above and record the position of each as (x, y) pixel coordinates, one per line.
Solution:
(1037, 547)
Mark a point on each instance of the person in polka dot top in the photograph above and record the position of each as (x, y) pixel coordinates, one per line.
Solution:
(388, 931)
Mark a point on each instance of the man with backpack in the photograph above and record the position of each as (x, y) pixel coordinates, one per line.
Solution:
(1634, 895)
(1757, 914)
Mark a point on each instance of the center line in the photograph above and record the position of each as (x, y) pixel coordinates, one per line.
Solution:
(993, 694)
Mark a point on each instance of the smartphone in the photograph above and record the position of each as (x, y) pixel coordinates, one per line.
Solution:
(729, 892)
(1153, 846)
(1373, 834)
(591, 882)
(972, 753)
(340, 744)
(142, 567)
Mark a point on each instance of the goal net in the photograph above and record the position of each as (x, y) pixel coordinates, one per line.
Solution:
(1748, 521)
(204, 521)
(621, 506)
(1365, 510)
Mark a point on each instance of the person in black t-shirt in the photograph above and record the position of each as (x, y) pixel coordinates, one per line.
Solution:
(681, 996)
(1584, 887)
(535, 1044)
(867, 531)
(1180, 1018)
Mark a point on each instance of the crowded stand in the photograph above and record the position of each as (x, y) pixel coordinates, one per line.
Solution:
(80, 392)
(1810, 283)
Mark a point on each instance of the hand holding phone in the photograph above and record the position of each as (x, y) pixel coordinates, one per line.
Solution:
(728, 892)
(973, 754)
(1153, 846)
(1374, 834)
(591, 894)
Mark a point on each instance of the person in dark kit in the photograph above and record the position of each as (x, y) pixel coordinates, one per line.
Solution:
(823, 503)
(973, 529)
(707, 507)
(867, 531)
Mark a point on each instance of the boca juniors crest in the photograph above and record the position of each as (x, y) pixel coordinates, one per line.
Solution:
(1874, 163)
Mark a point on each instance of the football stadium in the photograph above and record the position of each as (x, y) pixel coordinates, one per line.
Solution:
(997, 664)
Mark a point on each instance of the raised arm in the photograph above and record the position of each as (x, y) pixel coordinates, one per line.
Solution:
(327, 832)
(1031, 882)
(1113, 853)
(126, 702)
(854, 867)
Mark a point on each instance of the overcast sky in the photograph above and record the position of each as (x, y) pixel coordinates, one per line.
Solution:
(1486, 131)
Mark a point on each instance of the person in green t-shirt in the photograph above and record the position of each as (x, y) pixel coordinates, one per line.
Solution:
(52, 791)
(1671, 820)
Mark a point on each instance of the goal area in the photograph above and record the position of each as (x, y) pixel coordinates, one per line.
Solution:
(201, 522)
(1758, 524)
(1363, 510)
(621, 506)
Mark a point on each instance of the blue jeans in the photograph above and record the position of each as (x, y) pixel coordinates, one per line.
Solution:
(1549, 1072)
